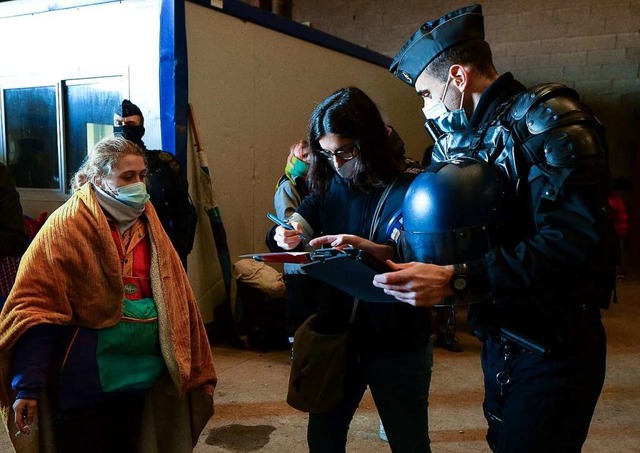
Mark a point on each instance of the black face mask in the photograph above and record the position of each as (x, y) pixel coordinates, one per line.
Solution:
(132, 133)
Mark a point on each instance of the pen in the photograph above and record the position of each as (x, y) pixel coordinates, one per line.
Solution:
(283, 224)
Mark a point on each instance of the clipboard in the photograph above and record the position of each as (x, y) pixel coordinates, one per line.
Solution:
(280, 257)
(350, 270)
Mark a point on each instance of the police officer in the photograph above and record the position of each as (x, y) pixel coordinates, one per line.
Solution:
(548, 269)
(166, 182)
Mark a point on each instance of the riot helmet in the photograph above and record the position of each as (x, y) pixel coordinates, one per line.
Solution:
(448, 210)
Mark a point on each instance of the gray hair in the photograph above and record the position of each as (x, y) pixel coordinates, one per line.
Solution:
(103, 159)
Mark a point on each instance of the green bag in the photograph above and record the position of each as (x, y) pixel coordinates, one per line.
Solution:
(128, 353)
(316, 381)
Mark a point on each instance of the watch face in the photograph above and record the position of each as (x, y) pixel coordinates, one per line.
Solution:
(459, 284)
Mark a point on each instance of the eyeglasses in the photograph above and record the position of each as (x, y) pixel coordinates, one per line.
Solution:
(347, 152)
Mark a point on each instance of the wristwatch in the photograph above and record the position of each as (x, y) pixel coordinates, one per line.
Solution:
(458, 282)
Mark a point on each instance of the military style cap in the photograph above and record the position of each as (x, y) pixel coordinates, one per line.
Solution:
(433, 38)
(127, 108)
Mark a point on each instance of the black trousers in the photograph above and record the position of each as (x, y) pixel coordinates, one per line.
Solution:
(548, 403)
(400, 388)
(300, 300)
(112, 426)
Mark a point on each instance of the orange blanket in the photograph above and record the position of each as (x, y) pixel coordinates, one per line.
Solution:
(71, 274)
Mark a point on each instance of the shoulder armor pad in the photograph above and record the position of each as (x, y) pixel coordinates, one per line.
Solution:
(524, 101)
(165, 156)
(550, 106)
(574, 146)
(163, 161)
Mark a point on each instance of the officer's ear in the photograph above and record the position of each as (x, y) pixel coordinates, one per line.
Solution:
(459, 76)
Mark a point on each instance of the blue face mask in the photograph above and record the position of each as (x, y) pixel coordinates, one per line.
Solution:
(134, 195)
(446, 120)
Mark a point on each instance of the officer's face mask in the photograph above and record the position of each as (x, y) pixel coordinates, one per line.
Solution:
(446, 120)
(132, 133)
(134, 195)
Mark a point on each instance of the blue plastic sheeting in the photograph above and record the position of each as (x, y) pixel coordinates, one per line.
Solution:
(174, 83)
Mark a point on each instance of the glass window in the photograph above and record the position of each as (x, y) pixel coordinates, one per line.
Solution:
(32, 136)
(89, 116)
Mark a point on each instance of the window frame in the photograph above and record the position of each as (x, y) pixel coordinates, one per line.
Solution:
(62, 192)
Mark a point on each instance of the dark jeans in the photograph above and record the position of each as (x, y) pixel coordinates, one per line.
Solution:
(548, 403)
(109, 427)
(400, 388)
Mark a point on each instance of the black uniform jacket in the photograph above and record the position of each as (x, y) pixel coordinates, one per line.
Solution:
(550, 268)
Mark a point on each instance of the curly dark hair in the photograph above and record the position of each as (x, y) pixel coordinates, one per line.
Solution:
(350, 113)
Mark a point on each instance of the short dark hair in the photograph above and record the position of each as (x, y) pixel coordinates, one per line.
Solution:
(350, 113)
(475, 52)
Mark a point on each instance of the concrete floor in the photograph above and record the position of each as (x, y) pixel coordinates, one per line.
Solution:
(251, 414)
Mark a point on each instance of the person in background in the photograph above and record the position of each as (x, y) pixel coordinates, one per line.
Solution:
(290, 191)
(548, 269)
(166, 181)
(103, 322)
(32, 167)
(355, 162)
(620, 220)
(13, 239)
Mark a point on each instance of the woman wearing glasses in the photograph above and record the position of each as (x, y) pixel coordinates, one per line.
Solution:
(355, 162)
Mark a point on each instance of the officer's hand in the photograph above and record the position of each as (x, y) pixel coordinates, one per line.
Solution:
(418, 284)
(288, 239)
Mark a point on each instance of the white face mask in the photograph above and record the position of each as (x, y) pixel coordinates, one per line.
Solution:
(348, 169)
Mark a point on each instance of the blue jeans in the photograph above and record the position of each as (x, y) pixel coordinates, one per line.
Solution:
(548, 403)
(399, 385)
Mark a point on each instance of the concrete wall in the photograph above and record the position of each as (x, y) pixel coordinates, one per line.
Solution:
(253, 96)
(592, 45)
(253, 90)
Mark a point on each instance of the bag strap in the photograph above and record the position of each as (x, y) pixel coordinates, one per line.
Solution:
(374, 226)
(352, 319)
(378, 212)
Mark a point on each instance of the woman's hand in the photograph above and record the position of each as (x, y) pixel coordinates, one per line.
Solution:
(288, 239)
(381, 251)
(24, 411)
(418, 284)
(339, 241)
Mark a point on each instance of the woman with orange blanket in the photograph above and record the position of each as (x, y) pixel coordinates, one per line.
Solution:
(101, 332)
